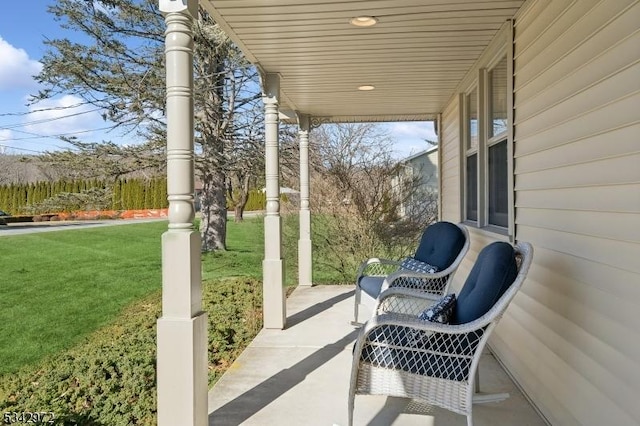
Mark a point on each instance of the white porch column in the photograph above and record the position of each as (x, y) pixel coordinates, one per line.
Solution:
(273, 264)
(305, 275)
(182, 329)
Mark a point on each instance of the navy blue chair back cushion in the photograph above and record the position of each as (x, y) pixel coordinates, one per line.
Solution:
(440, 244)
(494, 271)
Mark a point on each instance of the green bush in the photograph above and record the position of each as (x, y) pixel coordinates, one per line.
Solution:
(110, 379)
(257, 200)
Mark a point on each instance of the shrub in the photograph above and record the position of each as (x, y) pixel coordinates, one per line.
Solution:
(110, 379)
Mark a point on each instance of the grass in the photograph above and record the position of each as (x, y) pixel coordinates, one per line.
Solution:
(78, 314)
(59, 286)
(245, 251)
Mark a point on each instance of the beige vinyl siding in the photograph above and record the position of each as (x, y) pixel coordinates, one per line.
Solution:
(450, 163)
(571, 338)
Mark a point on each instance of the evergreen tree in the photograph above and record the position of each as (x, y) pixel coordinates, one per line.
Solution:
(118, 68)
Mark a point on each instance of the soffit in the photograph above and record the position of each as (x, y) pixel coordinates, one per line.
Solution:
(415, 56)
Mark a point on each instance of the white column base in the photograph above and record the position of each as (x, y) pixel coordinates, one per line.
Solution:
(305, 264)
(274, 311)
(182, 371)
(274, 304)
(305, 275)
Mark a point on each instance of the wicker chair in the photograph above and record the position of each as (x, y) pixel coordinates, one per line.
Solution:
(442, 246)
(397, 354)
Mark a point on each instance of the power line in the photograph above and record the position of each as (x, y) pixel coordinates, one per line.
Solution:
(19, 149)
(56, 108)
(38, 136)
(45, 120)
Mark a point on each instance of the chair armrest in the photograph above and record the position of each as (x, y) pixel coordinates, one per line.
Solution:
(436, 283)
(401, 300)
(377, 266)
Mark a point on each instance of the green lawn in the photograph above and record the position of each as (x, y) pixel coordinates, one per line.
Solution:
(58, 287)
(78, 310)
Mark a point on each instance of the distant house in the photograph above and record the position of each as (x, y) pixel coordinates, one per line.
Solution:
(421, 172)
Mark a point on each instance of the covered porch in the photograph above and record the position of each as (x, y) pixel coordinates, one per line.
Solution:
(300, 376)
(536, 107)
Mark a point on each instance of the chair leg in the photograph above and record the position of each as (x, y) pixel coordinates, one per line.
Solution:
(483, 398)
(356, 307)
(350, 407)
(469, 420)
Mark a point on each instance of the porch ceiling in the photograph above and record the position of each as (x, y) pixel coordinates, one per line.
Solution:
(415, 56)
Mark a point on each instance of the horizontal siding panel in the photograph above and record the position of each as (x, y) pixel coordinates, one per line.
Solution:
(450, 152)
(585, 38)
(558, 18)
(572, 335)
(450, 157)
(626, 227)
(525, 34)
(604, 93)
(609, 144)
(517, 347)
(570, 374)
(614, 199)
(612, 322)
(612, 116)
(606, 279)
(608, 171)
(537, 97)
(619, 254)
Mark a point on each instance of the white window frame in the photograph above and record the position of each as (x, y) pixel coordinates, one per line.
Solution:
(479, 78)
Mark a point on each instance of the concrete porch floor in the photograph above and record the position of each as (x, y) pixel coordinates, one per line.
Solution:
(300, 376)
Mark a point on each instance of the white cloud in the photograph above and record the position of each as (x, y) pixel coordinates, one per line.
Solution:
(413, 130)
(5, 134)
(60, 116)
(410, 136)
(16, 69)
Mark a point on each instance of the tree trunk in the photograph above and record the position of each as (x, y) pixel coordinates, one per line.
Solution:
(213, 226)
(239, 212)
(243, 199)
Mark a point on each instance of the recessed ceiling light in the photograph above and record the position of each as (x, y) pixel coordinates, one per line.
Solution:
(366, 87)
(363, 21)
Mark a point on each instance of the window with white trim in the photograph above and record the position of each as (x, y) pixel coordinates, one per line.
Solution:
(487, 166)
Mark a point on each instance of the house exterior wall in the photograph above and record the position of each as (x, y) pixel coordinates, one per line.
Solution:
(571, 338)
(426, 166)
(450, 163)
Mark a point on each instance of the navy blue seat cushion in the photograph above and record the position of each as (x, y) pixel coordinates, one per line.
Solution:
(440, 244)
(371, 285)
(494, 271)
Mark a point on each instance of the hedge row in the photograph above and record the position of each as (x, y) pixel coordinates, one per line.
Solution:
(126, 194)
(110, 379)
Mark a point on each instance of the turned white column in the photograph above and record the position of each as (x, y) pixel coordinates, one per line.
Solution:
(305, 275)
(273, 265)
(182, 329)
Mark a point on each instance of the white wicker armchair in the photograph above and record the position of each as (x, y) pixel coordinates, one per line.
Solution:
(443, 245)
(397, 354)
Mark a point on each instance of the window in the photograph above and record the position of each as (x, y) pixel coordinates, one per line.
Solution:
(498, 187)
(487, 169)
(472, 185)
(471, 143)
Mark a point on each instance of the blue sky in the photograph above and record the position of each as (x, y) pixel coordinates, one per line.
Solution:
(23, 28)
(24, 25)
